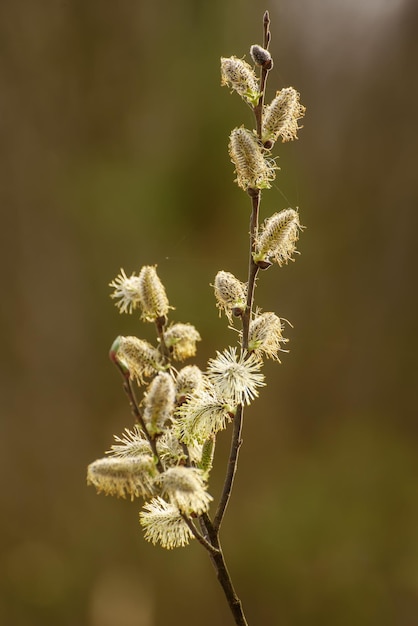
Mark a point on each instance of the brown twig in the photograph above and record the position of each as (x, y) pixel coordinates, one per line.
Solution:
(258, 109)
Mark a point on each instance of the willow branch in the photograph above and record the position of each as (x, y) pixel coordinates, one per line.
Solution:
(213, 550)
(226, 583)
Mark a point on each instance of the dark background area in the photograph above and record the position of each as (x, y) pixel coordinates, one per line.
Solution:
(113, 153)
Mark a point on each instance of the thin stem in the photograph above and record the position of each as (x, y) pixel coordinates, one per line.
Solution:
(213, 551)
(129, 390)
(160, 324)
(258, 109)
(225, 581)
(231, 469)
(208, 528)
(212, 545)
(252, 270)
(246, 318)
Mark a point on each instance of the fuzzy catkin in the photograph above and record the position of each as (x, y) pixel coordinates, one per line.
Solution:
(252, 168)
(240, 77)
(281, 116)
(278, 237)
(153, 298)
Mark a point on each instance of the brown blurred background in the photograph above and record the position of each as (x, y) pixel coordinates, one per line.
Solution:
(113, 153)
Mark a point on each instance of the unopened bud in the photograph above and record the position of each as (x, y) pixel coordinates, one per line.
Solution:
(261, 57)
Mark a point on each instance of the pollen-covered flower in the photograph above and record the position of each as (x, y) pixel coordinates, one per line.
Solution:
(265, 335)
(235, 378)
(185, 488)
(195, 450)
(159, 402)
(253, 169)
(280, 117)
(169, 448)
(189, 380)
(126, 291)
(140, 357)
(181, 340)
(202, 416)
(132, 443)
(153, 298)
(172, 452)
(230, 294)
(277, 239)
(132, 476)
(163, 524)
(240, 77)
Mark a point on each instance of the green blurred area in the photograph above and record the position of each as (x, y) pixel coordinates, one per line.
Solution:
(113, 154)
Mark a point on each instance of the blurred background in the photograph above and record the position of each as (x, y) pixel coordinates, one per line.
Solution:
(113, 153)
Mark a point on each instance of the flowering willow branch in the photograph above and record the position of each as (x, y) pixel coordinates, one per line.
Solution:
(255, 196)
(167, 457)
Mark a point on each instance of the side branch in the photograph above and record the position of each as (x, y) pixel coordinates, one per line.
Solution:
(213, 550)
(231, 469)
